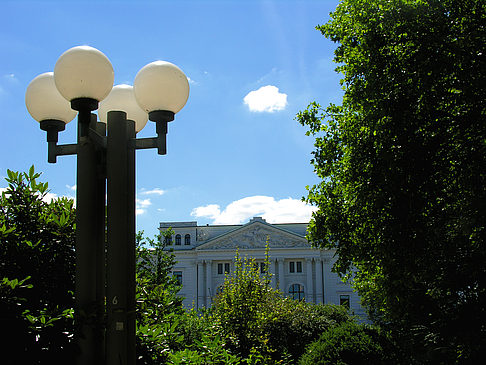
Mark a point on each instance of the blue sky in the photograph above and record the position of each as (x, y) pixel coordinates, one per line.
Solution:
(235, 150)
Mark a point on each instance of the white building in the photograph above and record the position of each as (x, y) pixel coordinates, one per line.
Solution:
(204, 254)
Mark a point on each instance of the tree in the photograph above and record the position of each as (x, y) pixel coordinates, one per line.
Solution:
(402, 163)
(242, 307)
(159, 309)
(37, 272)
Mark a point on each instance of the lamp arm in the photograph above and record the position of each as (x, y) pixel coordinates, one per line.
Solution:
(54, 150)
(158, 142)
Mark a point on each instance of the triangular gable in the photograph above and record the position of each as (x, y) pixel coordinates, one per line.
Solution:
(255, 235)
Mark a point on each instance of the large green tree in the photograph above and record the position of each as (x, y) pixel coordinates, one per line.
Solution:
(159, 308)
(403, 167)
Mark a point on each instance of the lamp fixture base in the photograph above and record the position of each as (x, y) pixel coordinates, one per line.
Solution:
(84, 104)
(52, 127)
(161, 116)
(161, 119)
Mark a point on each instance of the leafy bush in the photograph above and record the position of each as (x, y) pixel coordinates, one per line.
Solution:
(37, 240)
(36, 272)
(351, 344)
(210, 350)
(242, 308)
(260, 325)
(293, 325)
(159, 309)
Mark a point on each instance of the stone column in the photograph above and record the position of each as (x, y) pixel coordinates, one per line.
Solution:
(281, 278)
(325, 277)
(309, 297)
(200, 284)
(273, 271)
(209, 289)
(319, 289)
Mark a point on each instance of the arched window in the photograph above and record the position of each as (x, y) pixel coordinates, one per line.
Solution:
(178, 240)
(187, 239)
(296, 291)
(168, 241)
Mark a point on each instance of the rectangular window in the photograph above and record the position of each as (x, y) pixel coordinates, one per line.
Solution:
(344, 300)
(226, 267)
(178, 275)
(295, 266)
(299, 266)
(263, 268)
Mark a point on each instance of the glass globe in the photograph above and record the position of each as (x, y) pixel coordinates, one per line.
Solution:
(161, 85)
(83, 72)
(122, 98)
(44, 102)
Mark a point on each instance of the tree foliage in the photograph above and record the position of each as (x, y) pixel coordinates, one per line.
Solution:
(37, 272)
(159, 309)
(242, 307)
(351, 344)
(402, 163)
(292, 325)
(260, 325)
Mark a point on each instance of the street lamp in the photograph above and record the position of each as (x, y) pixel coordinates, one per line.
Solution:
(82, 81)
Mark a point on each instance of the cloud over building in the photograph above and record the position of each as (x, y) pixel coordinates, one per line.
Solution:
(283, 211)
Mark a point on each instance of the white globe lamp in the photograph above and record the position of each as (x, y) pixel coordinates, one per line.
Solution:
(84, 72)
(122, 98)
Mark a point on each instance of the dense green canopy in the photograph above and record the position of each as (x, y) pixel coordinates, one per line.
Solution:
(403, 167)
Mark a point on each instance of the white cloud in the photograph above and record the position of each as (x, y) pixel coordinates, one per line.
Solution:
(73, 188)
(273, 211)
(266, 99)
(49, 197)
(210, 211)
(142, 205)
(155, 191)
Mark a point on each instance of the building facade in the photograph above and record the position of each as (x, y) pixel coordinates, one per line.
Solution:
(205, 254)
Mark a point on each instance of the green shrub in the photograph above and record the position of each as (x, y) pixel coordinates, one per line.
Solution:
(260, 325)
(194, 325)
(293, 325)
(242, 308)
(208, 351)
(37, 260)
(351, 344)
(159, 309)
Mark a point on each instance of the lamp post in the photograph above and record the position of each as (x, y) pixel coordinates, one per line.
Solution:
(82, 81)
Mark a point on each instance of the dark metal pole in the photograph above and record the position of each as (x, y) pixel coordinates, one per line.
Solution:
(117, 199)
(131, 284)
(86, 244)
(99, 221)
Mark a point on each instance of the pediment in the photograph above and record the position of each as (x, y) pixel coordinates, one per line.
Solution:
(255, 235)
